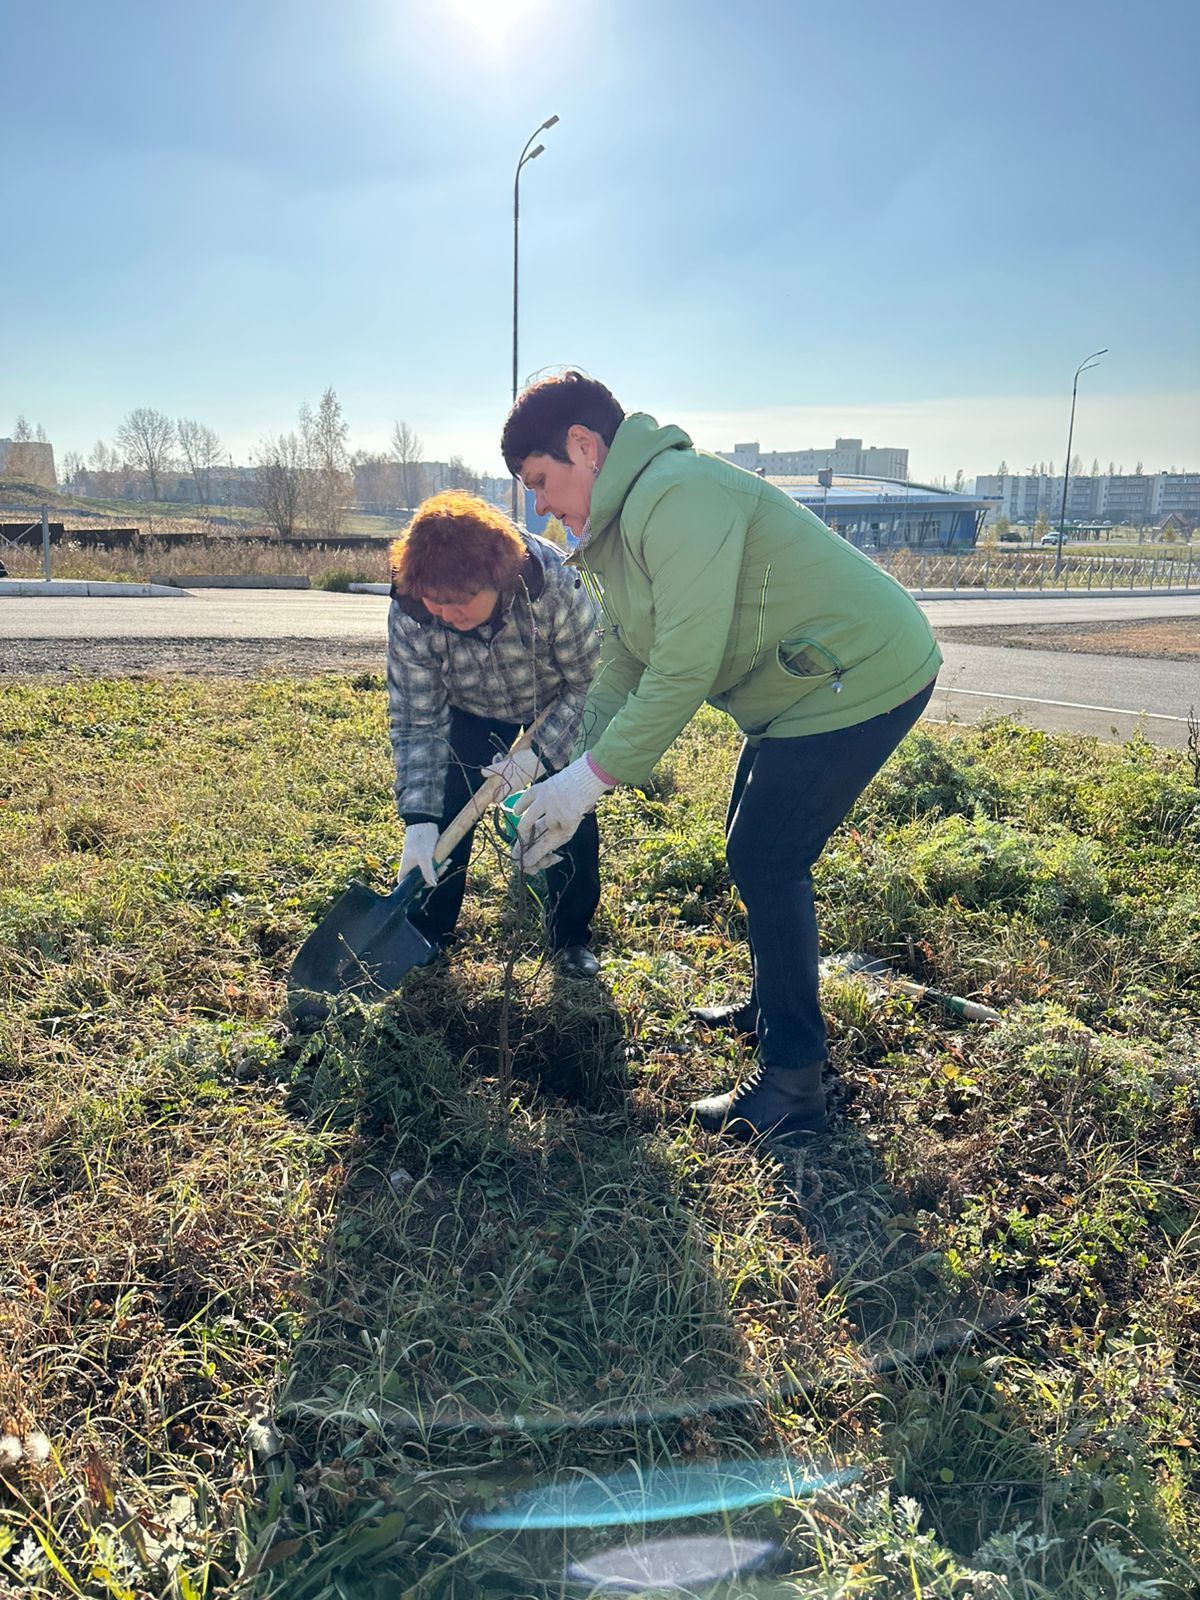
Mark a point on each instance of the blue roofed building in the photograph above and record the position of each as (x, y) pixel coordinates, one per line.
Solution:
(889, 513)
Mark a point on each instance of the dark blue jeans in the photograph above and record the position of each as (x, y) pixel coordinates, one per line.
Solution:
(788, 796)
(573, 886)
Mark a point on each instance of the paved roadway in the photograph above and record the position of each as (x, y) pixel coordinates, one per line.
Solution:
(1109, 696)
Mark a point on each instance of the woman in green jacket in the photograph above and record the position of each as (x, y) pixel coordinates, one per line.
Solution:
(716, 586)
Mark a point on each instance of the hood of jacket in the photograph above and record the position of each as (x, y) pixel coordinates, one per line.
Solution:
(637, 442)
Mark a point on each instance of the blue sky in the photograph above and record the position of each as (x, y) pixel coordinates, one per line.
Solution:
(763, 220)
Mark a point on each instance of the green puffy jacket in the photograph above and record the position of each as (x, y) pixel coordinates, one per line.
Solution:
(716, 586)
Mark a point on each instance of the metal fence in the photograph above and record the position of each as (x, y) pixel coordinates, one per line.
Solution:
(1024, 570)
(10, 539)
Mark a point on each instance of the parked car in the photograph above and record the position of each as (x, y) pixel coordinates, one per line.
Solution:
(1053, 538)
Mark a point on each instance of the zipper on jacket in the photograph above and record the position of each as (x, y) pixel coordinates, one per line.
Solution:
(762, 620)
(592, 584)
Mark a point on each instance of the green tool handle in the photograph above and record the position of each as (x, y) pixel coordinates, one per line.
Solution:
(971, 1010)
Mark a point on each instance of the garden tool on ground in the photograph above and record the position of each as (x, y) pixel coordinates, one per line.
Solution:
(365, 943)
(875, 967)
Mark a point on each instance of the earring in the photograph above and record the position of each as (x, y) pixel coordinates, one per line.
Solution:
(595, 469)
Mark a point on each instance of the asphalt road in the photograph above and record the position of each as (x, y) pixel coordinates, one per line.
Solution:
(1109, 696)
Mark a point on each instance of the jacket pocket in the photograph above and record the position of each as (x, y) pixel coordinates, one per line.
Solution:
(809, 662)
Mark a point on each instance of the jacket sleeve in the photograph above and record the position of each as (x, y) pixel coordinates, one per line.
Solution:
(619, 675)
(691, 548)
(574, 648)
(418, 720)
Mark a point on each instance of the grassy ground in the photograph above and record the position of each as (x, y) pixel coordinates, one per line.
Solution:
(280, 1313)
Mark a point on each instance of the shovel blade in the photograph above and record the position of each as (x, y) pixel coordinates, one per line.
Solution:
(364, 945)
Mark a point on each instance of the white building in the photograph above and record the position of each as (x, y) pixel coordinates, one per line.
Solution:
(1134, 498)
(845, 455)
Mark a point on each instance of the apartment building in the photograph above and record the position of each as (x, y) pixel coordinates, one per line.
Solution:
(845, 455)
(1136, 498)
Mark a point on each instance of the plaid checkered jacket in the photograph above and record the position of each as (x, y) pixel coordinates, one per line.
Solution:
(540, 649)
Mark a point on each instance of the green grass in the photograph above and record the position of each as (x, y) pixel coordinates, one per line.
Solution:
(456, 1246)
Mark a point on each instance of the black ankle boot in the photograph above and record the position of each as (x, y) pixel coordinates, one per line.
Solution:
(741, 1018)
(771, 1103)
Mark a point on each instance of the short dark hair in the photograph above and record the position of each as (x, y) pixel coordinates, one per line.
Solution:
(546, 411)
(455, 546)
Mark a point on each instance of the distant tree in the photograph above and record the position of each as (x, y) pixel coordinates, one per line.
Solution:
(103, 458)
(1076, 466)
(323, 435)
(407, 449)
(1138, 469)
(1002, 470)
(1042, 526)
(1041, 469)
(1001, 527)
(460, 476)
(958, 481)
(40, 434)
(1112, 469)
(20, 463)
(279, 473)
(372, 472)
(146, 439)
(200, 447)
(1051, 469)
(72, 466)
(1095, 473)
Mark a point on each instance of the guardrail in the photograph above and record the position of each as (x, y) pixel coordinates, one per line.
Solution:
(1025, 570)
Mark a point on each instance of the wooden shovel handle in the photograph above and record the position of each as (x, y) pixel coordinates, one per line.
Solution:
(486, 795)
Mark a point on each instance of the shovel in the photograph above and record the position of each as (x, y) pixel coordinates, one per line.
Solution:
(876, 967)
(365, 943)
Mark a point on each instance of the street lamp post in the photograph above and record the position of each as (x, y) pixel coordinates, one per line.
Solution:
(526, 155)
(1084, 366)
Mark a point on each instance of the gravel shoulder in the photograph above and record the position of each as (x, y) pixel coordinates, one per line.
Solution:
(1175, 640)
(204, 658)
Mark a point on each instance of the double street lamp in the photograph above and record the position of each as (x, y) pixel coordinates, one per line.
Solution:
(1084, 366)
(526, 155)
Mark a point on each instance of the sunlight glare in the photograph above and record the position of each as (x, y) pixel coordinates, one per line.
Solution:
(492, 20)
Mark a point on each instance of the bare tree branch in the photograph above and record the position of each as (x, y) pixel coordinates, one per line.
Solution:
(146, 438)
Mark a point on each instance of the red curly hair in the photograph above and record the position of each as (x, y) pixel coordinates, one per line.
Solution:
(455, 546)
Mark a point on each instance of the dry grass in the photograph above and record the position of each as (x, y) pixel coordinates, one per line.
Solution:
(443, 1288)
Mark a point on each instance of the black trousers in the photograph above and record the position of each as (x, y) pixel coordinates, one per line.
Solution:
(573, 886)
(788, 796)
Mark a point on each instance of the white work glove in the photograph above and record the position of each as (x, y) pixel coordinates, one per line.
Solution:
(552, 810)
(518, 768)
(420, 838)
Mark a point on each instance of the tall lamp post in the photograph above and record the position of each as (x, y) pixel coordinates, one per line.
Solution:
(1084, 366)
(526, 155)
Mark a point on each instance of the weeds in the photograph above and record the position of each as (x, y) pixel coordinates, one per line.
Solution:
(455, 1247)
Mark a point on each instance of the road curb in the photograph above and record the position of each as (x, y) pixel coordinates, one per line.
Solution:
(79, 588)
(206, 580)
(369, 588)
(1053, 594)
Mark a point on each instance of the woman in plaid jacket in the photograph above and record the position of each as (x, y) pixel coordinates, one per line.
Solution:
(487, 628)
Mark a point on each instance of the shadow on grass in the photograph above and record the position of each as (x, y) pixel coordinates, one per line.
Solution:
(516, 1285)
(527, 1290)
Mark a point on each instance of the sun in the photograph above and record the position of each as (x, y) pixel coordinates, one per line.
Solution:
(493, 20)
